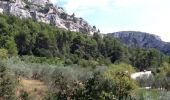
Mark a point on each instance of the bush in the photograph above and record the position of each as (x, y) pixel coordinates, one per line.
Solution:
(51, 96)
(143, 94)
(3, 53)
(24, 95)
(67, 81)
(83, 63)
(68, 62)
(7, 84)
(75, 82)
(88, 63)
(162, 78)
(109, 83)
(120, 82)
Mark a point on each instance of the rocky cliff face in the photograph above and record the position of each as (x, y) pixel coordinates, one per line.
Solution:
(142, 40)
(44, 11)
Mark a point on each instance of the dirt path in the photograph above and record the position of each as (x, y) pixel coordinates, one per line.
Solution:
(36, 89)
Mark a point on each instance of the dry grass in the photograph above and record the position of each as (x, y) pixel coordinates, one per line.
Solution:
(35, 88)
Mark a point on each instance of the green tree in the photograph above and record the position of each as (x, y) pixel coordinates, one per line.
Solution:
(114, 50)
(120, 81)
(23, 41)
(145, 59)
(10, 45)
(162, 79)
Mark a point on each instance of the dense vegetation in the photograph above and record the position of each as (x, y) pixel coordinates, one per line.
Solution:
(74, 65)
(7, 84)
(27, 37)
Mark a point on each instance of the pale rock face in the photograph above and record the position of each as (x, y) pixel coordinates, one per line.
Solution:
(40, 2)
(60, 10)
(3, 6)
(44, 11)
(145, 74)
(15, 9)
(1, 10)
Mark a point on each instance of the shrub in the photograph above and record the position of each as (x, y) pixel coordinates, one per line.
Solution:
(143, 94)
(3, 53)
(119, 80)
(109, 83)
(7, 84)
(162, 78)
(51, 96)
(24, 95)
(63, 16)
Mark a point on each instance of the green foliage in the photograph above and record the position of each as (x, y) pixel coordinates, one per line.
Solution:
(87, 63)
(51, 96)
(73, 64)
(3, 53)
(143, 94)
(151, 94)
(114, 49)
(11, 47)
(101, 83)
(164, 70)
(119, 76)
(7, 84)
(42, 60)
(145, 59)
(24, 95)
(27, 37)
(109, 83)
(162, 78)
(76, 82)
(122, 67)
(9, 44)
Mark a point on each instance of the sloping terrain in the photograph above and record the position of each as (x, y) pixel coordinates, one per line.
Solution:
(44, 11)
(142, 40)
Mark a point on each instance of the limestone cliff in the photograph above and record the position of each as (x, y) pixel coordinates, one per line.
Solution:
(45, 11)
(142, 40)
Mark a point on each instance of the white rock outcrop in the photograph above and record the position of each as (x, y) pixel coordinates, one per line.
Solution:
(1, 10)
(44, 11)
(145, 74)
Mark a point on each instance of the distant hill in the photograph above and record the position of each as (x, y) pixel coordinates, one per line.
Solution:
(142, 40)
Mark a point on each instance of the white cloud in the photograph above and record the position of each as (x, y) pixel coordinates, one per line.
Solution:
(82, 7)
(152, 16)
(156, 18)
(125, 3)
(140, 15)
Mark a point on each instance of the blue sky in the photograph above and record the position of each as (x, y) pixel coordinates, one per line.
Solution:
(151, 16)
